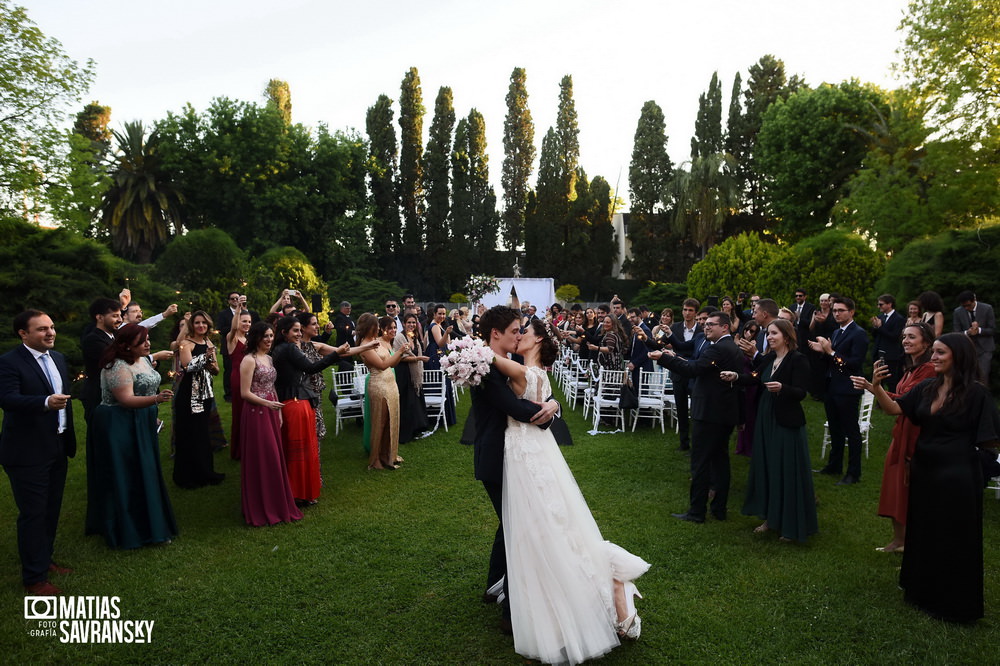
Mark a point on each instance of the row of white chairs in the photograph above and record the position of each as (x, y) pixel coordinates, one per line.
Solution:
(350, 387)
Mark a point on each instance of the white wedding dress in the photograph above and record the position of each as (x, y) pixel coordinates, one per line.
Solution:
(560, 568)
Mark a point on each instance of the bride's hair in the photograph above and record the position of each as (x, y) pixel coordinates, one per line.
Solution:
(549, 350)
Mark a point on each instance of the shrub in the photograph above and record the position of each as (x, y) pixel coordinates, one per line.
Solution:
(734, 265)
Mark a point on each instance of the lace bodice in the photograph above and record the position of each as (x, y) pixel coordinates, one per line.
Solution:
(140, 375)
(536, 385)
(262, 384)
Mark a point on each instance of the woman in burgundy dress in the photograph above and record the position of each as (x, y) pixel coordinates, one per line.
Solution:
(236, 348)
(265, 490)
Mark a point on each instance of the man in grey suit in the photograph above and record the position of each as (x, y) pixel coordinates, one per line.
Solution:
(977, 321)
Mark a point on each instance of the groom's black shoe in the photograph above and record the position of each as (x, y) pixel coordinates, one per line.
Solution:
(688, 517)
(489, 598)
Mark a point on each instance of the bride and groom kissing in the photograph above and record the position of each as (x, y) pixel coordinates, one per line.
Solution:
(565, 592)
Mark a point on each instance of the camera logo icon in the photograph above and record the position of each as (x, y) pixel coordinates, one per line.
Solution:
(40, 608)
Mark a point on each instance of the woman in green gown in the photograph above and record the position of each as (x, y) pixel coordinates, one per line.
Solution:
(132, 503)
(780, 488)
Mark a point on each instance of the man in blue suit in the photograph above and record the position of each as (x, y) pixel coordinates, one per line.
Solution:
(36, 440)
(638, 353)
(887, 333)
(844, 352)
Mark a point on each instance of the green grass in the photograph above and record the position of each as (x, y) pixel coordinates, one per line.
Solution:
(389, 567)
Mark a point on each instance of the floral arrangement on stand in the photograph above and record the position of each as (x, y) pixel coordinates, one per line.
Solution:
(468, 361)
(478, 286)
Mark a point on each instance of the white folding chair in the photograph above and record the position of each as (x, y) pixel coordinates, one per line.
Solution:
(349, 403)
(578, 381)
(609, 388)
(435, 396)
(670, 400)
(651, 402)
(591, 390)
(864, 424)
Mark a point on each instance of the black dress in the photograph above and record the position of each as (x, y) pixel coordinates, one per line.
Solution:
(193, 463)
(942, 571)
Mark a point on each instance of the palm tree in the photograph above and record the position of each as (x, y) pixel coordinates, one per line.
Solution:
(141, 209)
(703, 196)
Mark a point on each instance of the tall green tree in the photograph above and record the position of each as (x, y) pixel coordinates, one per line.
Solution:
(602, 233)
(707, 138)
(279, 96)
(438, 261)
(38, 84)
(544, 222)
(951, 51)
(142, 209)
(411, 167)
(382, 166)
(704, 196)
(485, 220)
(568, 132)
(649, 173)
(519, 155)
(808, 149)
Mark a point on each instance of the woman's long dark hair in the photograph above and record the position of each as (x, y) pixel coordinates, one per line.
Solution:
(931, 301)
(964, 372)
(256, 334)
(549, 350)
(284, 325)
(125, 346)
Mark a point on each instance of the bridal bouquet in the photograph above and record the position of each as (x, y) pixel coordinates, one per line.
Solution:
(468, 362)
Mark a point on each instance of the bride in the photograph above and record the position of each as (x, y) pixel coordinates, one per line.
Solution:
(571, 595)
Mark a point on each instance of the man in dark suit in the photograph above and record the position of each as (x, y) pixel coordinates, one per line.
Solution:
(683, 332)
(107, 317)
(36, 440)
(638, 353)
(977, 321)
(887, 331)
(618, 311)
(844, 353)
(344, 326)
(492, 402)
(765, 312)
(224, 324)
(804, 310)
(715, 410)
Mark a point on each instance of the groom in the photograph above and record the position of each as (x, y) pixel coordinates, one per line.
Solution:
(492, 403)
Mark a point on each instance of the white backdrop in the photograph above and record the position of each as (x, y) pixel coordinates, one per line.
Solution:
(540, 292)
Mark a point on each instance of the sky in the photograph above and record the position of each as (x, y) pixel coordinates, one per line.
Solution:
(155, 56)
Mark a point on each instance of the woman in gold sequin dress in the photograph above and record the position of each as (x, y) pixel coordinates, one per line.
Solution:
(382, 396)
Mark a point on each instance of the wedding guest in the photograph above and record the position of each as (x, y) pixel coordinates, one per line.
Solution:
(438, 339)
(409, 381)
(266, 494)
(344, 326)
(298, 427)
(933, 307)
(744, 438)
(35, 442)
(193, 464)
(942, 572)
(914, 313)
(235, 350)
(284, 304)
(132, 507)
(662, 330)
(779, 488)
(894, 496)
(133, 315)
(382, 395)
(224, 320)
(314, 351)
(611, 350)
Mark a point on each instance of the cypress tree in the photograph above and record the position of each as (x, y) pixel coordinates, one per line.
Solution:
(382, 166)
(410, 184)
(519, 154)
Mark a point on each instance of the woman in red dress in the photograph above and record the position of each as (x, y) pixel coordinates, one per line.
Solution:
(894, 497)
(236, 347)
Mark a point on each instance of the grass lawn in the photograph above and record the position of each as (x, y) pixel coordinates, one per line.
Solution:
(389, 567)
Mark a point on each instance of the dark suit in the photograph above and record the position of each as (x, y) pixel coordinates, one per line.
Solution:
(492, 403)
(681, 389)
(638, 355)
(802, 325)
(715, 409)
(344, 326)
(842, 399)
(93, 346)
(33, 453)
(985, 344)
(886, 342)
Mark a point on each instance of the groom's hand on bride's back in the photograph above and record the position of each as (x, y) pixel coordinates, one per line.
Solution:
(548, 411)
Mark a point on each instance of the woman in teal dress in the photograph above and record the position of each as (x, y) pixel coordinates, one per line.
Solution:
(780, 488)
(132, 503)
